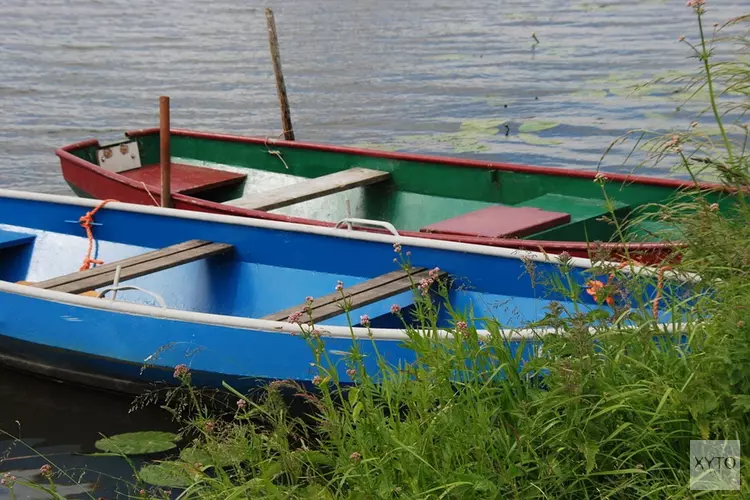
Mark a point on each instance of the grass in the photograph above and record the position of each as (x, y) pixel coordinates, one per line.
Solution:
(606, 410)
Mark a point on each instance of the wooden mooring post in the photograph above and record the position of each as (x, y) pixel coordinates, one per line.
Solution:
(165, 153)
(273, 43)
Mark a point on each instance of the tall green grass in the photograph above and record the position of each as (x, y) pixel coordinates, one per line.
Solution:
(606, 410)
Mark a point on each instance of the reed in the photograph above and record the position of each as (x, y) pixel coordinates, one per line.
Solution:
(606, 410)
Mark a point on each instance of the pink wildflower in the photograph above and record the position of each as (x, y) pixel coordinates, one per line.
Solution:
(309, 299)
(696, 3)
(713, 207)
(315, 333)
(397, 247)
(295, 317)
(424, 285)
(355, 457)
(209, 425)
(45, 470)
(317, 379)
(681, 38)
(434, 273)
(740, 324)
(351, 372)
(365, 320)
(180, 371)
(395, 309)
(339, 285)
(600, 177)
(462, 328)
(241, 404)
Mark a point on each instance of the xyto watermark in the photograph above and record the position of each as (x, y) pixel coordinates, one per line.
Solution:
(714, 465)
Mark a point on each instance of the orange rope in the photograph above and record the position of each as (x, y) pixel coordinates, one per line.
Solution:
(85, 222)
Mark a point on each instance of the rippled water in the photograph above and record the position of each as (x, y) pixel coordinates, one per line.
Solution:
(394, 74)
(433, 76)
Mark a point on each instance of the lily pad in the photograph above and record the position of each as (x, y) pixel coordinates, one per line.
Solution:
(166, 474)
(538, 141)
(220, 455)
(483, 126)
(537, 126)
(138, 443)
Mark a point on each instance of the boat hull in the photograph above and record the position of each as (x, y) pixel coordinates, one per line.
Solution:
(129, 353)
(89, 180)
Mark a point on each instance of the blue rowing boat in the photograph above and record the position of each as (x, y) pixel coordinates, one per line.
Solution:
(92, 292)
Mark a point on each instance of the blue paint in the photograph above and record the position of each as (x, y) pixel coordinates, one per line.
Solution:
(269, 270)
(10, 239)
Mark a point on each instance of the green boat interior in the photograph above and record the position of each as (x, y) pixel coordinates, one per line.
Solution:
(437, 197)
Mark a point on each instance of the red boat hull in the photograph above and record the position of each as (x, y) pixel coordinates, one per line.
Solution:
(90, 180)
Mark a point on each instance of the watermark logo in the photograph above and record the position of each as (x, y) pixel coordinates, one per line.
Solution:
(714, 465)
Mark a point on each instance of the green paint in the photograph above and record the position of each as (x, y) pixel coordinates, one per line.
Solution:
(418, 193)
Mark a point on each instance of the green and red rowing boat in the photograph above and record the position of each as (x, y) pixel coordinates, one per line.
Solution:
(518, 206)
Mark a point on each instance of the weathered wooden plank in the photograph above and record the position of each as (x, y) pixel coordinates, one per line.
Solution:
(311, 188)
(360, 295)
(131, 261)
(349, 291)
(151, 266)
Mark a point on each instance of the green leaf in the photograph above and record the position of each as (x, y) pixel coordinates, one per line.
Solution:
(218, 456)
(590, 452)
(537, 126)
(537, 141)
(138, 443)
(166, 474)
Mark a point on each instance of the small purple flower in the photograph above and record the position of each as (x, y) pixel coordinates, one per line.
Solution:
(339, 285)
(241, 404)
(397, 247)
(351, 372)
(424, 285)
(180, 371)
(45, 470)
(365, 320)
(315, 333)
(295, 317)
(317, 380)
(395, 309)
(434, 273)
(462, 328)
(309, 300)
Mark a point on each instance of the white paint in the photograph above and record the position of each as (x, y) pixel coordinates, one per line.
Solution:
(262, 324)
(119, 157)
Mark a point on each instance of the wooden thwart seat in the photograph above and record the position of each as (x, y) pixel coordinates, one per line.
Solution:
(359, 295)
(133, 267)
(311, 188)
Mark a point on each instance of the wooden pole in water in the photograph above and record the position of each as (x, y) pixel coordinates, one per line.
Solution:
(273, 43)
(165, 154)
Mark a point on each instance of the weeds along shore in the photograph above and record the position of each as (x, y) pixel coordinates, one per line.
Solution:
(607, 409)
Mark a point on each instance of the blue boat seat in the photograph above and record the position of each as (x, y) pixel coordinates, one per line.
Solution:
(362, 294)
(10, 239)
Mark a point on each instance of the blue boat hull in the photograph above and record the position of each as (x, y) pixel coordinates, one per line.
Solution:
(210, 323)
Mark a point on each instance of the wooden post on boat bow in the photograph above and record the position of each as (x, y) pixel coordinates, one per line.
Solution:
(273, 43)
(165, 154)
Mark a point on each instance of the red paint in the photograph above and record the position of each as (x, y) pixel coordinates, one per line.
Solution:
(499, 222)
(101, 184)
(185, 179)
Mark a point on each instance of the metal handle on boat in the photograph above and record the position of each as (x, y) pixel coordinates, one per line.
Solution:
(115, 288)
(368, 222)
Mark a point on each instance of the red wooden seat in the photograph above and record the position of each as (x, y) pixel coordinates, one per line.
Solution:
(499, 221)
(185, 179)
